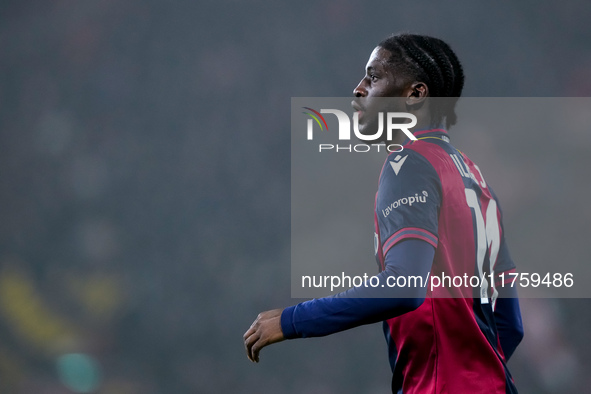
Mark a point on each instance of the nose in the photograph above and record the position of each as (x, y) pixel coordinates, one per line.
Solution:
(360, 90)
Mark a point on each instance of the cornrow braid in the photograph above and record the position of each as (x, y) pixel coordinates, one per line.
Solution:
(442, 108)
(424, 65)
(432, 61)
(442, 63)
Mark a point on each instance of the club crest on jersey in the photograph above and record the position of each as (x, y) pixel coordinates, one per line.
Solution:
(397, 163)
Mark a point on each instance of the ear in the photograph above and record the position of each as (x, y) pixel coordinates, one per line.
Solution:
(417, 92)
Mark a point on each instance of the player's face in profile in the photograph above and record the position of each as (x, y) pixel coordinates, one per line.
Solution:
(380, 80)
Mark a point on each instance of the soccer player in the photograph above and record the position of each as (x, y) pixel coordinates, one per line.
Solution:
(439, 340)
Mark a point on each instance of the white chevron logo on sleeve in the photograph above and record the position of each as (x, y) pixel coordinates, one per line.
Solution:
(397, 163)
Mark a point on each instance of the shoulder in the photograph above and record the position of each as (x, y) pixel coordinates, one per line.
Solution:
(407, 172)
(408, 165)
(438, 152)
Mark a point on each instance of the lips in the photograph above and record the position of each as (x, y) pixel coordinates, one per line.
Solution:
(357, 108)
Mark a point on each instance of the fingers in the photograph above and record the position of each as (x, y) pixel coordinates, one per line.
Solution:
(248, 344)
(254, 351)
(250, 338)
(253, 344)
(265, 330)
(249, 332)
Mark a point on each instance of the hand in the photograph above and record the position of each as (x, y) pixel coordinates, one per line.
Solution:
(265, 330)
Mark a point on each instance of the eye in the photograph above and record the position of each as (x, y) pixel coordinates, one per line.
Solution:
(373, 77)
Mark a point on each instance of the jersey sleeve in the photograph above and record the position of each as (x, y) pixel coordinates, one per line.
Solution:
(508, 320)
(408, 200)
(504, 261)
(365, 304)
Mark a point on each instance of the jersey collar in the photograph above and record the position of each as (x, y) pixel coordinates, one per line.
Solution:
(438, 133)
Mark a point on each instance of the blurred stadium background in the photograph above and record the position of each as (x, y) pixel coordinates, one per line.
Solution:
(144, 193)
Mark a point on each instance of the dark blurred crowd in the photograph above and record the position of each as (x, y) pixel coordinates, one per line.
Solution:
(145, 191)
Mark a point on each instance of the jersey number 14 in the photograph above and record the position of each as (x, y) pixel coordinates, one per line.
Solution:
(488, 239)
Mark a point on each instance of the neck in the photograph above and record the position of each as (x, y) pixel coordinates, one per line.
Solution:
(399, 137)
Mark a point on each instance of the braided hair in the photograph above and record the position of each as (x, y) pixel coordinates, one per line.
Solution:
(432, 61)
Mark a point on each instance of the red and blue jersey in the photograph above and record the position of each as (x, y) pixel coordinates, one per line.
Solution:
(433, 192)
(435, 215)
